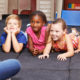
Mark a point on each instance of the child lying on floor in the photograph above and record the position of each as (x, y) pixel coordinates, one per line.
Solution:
(36, 33)
(13, 37)
(76, 39)
(59, 40)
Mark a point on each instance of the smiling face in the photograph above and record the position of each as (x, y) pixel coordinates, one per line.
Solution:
(36, 23)
(12, 24)
(56, 31)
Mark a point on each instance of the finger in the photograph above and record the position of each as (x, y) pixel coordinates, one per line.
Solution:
(40, 57)
(64, 59)
(47, 56)
(58, 57)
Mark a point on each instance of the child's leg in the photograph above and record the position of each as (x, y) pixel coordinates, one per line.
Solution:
(9, 68)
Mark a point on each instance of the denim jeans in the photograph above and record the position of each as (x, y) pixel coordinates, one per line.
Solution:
(9, 68)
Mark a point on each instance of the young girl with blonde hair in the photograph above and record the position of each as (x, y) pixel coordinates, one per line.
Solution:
(59, 40)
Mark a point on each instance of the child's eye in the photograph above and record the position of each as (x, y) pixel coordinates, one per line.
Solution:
(51, 30)
(15, 23)
(38, 22)
(57, 31)
(32, 21)
(9, 23)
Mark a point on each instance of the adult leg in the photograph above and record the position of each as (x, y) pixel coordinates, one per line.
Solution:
(9, 68)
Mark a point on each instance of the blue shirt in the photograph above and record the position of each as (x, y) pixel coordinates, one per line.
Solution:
(21, 38)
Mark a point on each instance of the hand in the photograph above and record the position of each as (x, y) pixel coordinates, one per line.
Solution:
(35, 51)
(61, 57)
(16, 31)
(43, 56)
(77, 51)
(7, 30)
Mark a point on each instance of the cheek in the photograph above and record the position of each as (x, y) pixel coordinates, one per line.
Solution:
(61, 34)
(8, 27)
(31, 25)
(51, 32)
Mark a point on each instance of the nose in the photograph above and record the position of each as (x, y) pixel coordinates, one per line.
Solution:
(11, 24)
(53, 33)
(35, 24)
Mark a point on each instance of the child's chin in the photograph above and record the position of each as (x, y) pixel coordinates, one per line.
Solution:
(11, 30)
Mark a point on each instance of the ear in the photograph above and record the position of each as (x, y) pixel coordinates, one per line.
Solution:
(19, 27)
(65, 31)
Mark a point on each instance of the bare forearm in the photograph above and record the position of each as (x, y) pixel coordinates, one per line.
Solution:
(31, 49)
(68, 54)
(41, 51)
(17, 46)
(7, 45)
(47, 49)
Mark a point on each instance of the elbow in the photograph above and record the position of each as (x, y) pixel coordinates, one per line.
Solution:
(18, 51)
(6, 51)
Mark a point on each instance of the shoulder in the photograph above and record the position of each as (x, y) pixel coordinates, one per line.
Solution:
(3, 34)
(3, 37)
(21, 36)
(28, 28)
(67, 37)
(43, 29)
(21, 33)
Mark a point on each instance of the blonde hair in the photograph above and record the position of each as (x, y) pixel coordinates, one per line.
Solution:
(14, 16)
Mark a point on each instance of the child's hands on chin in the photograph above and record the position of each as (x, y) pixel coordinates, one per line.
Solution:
(43, 56)
(6, 30)
(16, 31)
(61, 57)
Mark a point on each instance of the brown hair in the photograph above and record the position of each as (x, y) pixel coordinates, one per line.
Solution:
(39, 13)
(59, 20)
(14, 16)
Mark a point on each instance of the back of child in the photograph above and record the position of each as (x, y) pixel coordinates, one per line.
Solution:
(36, 32)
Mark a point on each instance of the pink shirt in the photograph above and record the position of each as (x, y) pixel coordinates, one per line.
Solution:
(37, 43)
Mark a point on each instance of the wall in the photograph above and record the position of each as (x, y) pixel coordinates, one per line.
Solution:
(18, 4)
(24, 5)
(47, 6)
(12, 4)
(59, 5)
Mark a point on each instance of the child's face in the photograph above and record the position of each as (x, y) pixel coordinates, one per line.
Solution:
(56, 31)
(12, 24)
(36, 23)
